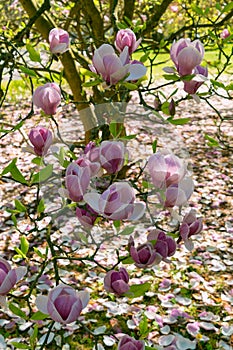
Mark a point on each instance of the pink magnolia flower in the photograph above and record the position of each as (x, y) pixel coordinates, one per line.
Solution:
(47, 97)
(8, 278)
(91, 152)
(193, 85)
(190, 226)
(63, 303)
(113, 68)
(186, 55)
(59, 40)
(83, 161)
(77, 181)
(144, 255)
(117, 282)
(86, 216)
(225, 33)
(164, 245)
(126, 37)
(165, 169)
(41, 138)
(112, 156)
(128, 343)
(116, 203)
(177, 194)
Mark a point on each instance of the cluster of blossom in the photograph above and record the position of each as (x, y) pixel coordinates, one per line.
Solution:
(105, 63)
(187, 56)
(117, 200)
(99, 165)
(112, 68)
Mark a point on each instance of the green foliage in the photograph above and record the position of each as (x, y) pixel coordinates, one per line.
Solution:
(15, 172)
(138, 290)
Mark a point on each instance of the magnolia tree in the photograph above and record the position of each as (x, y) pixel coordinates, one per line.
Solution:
(127, 202)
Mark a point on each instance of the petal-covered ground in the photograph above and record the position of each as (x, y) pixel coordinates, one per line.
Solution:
(189, 304)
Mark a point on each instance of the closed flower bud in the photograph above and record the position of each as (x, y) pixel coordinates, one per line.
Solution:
(47, 97)
(117, 282)
(59, 40)
(172, 107)
(225, 34)
(41, 138)
(77, 181)
(128, 343)
(112, 156)
(126, 37)
(63, 303)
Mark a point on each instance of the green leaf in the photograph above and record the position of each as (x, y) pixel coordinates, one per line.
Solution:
(149, 348)
(41, 206)
(13, 218)
(128, 137)
(187, 77)
(217, 84)
(33, 337)
(212, 142)
(180, 121)
(38, 315)
(144, 57)
(165, 108)
(21, 255)
(89, 73)
(43, 174)
(128, 260)
(228, 7)
(127, 230)
(218, 7)
(197, 9)
(24, 245)
(92, 83)
(130, 86)
(173, 77)
(82, 237)
(15, 172)
(37, 161)
(20, 345)
(113, 128)
(33, 54)
(229, 87)
(143, 327)
(117, 224)
(28, 71)
(19, 206)
(138, 290)
(36, 250)
(17, 311)
(154, 146)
